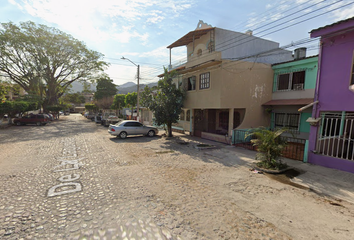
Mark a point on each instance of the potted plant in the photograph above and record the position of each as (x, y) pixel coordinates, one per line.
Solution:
(269, 147)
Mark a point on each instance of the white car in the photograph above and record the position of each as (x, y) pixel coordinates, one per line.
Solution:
(130, 127)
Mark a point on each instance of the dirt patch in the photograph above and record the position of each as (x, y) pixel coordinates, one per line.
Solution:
(286, 177)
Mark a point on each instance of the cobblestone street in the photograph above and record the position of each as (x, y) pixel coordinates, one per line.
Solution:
(72, 180)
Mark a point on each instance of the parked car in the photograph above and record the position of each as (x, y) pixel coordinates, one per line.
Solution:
(50, 116)
(38, 119)
(130, 127)
(98, 118)
(109, 118)
(90, 116)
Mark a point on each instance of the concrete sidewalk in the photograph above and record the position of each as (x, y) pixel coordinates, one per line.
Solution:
(324, 181)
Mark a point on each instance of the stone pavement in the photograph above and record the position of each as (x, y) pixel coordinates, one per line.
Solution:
(324, 181)
(71, 180)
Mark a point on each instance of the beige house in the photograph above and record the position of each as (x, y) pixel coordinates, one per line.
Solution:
(227, 77)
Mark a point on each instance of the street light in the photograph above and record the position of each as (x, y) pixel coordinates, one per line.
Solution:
(137, 102)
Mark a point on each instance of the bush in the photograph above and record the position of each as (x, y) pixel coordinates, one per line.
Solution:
(269, 146)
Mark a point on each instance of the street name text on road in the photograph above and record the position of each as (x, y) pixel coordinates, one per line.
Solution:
(68, 162)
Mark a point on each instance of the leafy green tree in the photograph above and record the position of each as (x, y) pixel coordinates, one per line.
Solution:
(44, 60)
(74, 98)
(104, 103)
(55, 109)
(131, 100)
(91, 107)
(16, 107)
(4, 89)
(118, 101)
(166, 103)
(105, 88)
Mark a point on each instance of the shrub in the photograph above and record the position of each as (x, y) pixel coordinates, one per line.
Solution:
(269, 146)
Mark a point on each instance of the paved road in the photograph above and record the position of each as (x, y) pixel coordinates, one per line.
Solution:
(54, 185)
(71, 180)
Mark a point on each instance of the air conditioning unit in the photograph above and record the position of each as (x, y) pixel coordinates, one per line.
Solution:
(299, 86)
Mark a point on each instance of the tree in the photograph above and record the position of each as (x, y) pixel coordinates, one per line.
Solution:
(131, 100)
(105, 88)
(74, 98)
(166, 103)
(4, 89)
(118, 101)
(44, 61)
(104, 103)
(91, 107)
(269, 146)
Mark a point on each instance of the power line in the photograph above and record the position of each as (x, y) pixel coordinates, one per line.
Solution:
(232, 46)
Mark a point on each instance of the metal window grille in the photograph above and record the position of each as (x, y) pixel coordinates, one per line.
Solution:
(291, 81)
(204, 80)
(287, 120)
(336, 135)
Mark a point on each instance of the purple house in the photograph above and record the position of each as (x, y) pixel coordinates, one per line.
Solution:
(331, 141)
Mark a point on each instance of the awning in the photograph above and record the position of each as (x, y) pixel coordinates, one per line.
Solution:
(183, 69)
(279, 102)
(188, 38)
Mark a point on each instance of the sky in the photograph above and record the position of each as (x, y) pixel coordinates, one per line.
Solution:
(140, 30)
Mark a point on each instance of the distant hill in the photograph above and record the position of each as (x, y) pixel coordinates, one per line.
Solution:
(78, 87)
(133, 88)
(126, 85)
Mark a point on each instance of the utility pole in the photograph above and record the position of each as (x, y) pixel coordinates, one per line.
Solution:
(138, 89)
(137, 102)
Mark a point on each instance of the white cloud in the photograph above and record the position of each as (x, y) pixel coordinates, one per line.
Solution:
(99, 20)
(342, 14)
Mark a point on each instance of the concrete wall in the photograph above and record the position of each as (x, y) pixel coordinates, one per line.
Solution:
(235, 85)
(239, 45)
(309, 65)
(230, 44)
(335, 61)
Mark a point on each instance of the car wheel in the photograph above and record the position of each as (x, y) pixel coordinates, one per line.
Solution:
(123, 135)
(151, 133)
(38, 123)
(18, 124)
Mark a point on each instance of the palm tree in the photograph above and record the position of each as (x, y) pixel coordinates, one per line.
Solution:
(269, 146)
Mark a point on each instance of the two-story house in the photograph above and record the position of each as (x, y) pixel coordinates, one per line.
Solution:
(293, 88)
(331, 142)
(227, 76)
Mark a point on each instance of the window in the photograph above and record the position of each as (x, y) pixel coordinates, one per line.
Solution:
(287, 120)
(204, 81)
(224, 120)
(283, 81)
(133, 124)
(291, 81)
(191, 83)
(331, 124)
(181, 116)
(336, 135)
(188, 117)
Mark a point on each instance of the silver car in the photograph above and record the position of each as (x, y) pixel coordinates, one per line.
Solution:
(130, 127)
